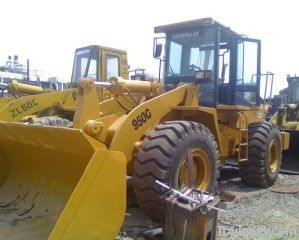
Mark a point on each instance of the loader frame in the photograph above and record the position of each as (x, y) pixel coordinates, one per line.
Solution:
(227, 123)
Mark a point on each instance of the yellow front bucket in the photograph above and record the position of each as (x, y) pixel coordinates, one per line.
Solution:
(58, 183)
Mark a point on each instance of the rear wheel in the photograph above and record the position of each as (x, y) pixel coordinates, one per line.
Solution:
(163, 157)
(264, 155)
(53, 121)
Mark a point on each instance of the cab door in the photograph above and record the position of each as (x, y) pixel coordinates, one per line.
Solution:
(246, 72)
(114, 64)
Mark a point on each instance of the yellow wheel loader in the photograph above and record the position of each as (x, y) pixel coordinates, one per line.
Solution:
(286, 116)
(94, 61)
(287, 119)
(70, 183)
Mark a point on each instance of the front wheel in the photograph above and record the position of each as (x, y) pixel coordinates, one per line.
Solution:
(163, 157)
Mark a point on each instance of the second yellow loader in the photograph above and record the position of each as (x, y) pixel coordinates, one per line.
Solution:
(101, 62)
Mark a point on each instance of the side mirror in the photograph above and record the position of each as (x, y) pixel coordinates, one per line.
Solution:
(158, 47)
(157, 50)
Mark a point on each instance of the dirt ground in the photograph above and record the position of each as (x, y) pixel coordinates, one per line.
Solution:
(254, 214)
(272, 214)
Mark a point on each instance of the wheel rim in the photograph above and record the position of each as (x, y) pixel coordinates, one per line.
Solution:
(200, 170)
(273, 158)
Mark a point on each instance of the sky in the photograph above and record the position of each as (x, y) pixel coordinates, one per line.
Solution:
(48, 31)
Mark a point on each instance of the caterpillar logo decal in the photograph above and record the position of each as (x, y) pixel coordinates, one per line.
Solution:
(23, 108)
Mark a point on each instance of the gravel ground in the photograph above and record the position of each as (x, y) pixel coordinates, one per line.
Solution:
(262, 213)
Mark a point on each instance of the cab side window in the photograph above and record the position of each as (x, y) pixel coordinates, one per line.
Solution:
(112, 66)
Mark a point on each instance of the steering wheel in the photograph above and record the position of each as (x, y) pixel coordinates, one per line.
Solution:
(194, 68)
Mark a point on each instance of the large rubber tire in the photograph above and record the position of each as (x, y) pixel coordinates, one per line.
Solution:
(53, 121)
(264, 155)
(161, 157)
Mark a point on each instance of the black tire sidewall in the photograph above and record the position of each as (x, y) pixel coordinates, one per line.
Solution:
(195, 140)
(160, 156)
(255, 171)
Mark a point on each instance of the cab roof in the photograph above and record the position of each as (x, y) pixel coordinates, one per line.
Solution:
(103, 48)
(202, 22)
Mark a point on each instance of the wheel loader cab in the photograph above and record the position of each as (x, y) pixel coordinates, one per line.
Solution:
(225, 64)
(99, 63)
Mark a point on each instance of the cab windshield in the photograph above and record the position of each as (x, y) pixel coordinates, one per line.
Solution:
(190, 51)
(82, 57)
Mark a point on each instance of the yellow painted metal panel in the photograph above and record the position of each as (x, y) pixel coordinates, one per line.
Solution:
(126, 135)
(5, 100)
(19, 108)
(96, 208)
(49, 173)
(285, 139)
